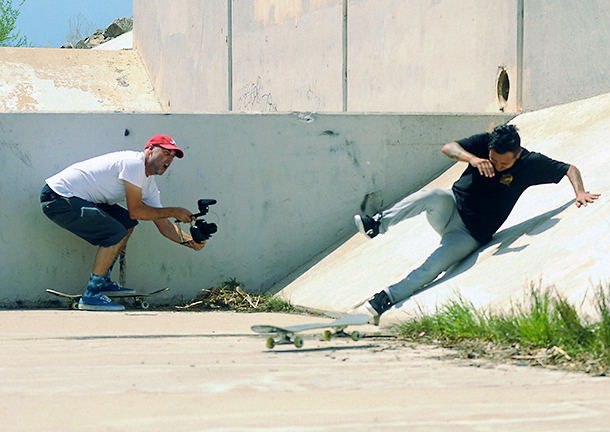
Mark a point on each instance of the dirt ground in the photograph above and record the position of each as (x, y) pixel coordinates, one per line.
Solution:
(159, 371)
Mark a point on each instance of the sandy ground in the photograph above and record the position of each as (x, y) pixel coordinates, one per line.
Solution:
(162, 371)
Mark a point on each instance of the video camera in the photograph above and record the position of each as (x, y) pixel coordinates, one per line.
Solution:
(200, 229)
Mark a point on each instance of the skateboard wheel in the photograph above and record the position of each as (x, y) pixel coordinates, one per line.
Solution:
(327, 335)
(74, 305)
(270, 343)
(356, 335)
(144, 304)
(298, 341)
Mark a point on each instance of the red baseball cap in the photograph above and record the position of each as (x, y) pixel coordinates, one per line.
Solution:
(166, 142)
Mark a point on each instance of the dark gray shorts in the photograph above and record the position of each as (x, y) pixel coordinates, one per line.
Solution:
(99, 224)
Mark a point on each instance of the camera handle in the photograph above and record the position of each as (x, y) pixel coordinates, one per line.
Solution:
(177, 222)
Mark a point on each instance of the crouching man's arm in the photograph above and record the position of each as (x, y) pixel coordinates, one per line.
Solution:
(172, 232)
(140, 211)
(160, 216)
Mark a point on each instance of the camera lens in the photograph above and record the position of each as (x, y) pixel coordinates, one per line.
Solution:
(202, 230)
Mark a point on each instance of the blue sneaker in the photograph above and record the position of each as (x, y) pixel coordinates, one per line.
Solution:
(98, 302)
(110, 288)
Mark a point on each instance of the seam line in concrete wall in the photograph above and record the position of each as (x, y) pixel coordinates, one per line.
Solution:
(520, 24)
(230, 53)
(344, 55)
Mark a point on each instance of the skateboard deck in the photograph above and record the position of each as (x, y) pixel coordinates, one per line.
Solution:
(138, 298)
(287, 335)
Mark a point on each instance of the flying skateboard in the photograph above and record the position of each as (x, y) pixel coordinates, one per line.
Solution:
(286, 335)
(138, 298)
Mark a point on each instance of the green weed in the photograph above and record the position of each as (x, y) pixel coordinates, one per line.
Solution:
(544, 321)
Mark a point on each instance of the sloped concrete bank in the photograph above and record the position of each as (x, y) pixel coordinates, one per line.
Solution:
(546, 240)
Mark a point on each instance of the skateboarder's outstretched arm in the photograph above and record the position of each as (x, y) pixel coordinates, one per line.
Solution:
(456, 152)
(582, 196)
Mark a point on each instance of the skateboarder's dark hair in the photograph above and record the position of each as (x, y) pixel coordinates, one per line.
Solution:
(505, 138)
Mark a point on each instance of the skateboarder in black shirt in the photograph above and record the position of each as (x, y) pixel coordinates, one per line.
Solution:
(467, 215)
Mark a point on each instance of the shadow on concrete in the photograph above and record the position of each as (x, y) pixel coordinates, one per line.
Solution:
(155, 336)
(329, 348)
(505, 238)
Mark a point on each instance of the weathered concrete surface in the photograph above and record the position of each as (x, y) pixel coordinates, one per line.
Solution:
(147, 371)
(43, 79)
(546, 240)
(185, 47)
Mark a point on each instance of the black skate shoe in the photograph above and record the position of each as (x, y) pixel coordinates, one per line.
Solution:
(377, 305)
(369, 226)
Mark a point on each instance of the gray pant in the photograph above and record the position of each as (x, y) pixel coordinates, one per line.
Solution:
(456, 240)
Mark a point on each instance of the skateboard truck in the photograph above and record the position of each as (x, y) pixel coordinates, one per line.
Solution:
(200, 229)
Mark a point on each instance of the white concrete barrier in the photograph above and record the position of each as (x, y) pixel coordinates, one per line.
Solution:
(287, 186)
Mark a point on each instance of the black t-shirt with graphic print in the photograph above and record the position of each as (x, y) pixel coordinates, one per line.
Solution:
(485, 203)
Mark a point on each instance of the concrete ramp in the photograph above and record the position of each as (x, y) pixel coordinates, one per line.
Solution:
(547, 241)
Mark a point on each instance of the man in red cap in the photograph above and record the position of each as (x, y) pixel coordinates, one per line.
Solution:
(84, 197)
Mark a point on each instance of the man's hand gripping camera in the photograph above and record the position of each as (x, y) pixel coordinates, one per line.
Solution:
(200, 229)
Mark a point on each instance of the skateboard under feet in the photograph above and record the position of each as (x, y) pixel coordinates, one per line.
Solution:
(139, 299)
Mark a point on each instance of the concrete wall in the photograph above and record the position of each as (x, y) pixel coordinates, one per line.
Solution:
(430, 56)
(185, 47)
(372, 55)
(566, 53)
(287, 187)
(287, 55)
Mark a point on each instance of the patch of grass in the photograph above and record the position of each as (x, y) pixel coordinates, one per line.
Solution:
(229, 296)
(544, 330)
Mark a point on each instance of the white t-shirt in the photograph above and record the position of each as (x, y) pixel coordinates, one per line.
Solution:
(102, 179)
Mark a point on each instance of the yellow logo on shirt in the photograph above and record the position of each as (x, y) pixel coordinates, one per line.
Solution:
(506, 179)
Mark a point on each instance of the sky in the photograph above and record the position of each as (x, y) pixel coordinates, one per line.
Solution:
(46, 22)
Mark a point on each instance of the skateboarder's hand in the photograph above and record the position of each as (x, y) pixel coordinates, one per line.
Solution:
(484, 166)
(582, 199)
(582, 196)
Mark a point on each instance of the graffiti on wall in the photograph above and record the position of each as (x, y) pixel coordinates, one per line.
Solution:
(252, 96)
